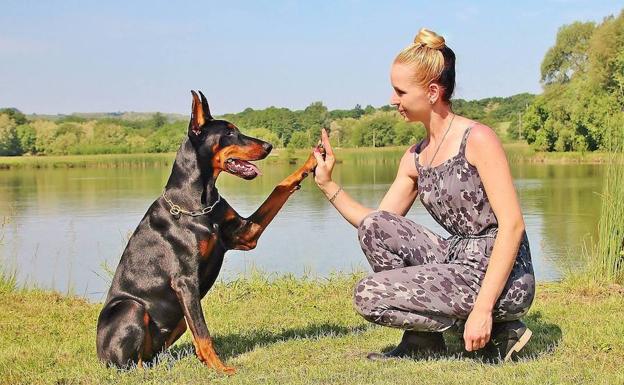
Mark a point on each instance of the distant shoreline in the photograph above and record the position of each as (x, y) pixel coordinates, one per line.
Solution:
(517, 152)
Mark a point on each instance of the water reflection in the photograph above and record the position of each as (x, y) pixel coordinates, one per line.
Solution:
(66, 224)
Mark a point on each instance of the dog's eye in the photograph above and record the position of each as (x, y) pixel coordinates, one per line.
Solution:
(231, 133)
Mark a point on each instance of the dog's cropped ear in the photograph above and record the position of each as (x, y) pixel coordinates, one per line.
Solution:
(200, 113)
(205, 107)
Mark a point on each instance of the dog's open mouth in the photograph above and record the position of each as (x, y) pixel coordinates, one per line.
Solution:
(242, 168)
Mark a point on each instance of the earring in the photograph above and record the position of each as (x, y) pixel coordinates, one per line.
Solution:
(430, 101)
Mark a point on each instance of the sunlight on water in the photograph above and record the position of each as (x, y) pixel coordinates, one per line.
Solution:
(66, 225)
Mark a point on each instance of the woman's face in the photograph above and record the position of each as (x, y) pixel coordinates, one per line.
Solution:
(410, 99)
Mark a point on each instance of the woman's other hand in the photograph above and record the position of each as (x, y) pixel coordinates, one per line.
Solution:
(324, 167)
(477, 329)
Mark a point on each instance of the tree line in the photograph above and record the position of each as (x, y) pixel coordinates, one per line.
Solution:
(582, 106)
(356, 127)
(581, 109)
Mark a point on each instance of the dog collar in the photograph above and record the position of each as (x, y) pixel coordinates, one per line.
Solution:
(177, 210)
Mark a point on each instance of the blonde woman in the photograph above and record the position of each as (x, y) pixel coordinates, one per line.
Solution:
(481, 277)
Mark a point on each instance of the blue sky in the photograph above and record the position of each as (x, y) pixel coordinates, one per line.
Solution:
(88, 56)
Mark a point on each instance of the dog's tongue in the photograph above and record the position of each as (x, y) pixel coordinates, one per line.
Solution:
(253, 167)
(244, 169)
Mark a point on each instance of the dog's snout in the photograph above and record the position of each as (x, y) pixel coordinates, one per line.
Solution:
(267, 147)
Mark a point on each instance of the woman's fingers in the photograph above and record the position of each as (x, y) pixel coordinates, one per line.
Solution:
(326, 145)
(319, 158)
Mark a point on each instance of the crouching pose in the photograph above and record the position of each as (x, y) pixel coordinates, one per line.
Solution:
(481, 277)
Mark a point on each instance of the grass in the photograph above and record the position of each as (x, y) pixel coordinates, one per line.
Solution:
(304, 331)
(518, 152)
(605, 260)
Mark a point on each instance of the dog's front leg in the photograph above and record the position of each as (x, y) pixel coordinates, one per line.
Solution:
(187, 291)
(251, 228)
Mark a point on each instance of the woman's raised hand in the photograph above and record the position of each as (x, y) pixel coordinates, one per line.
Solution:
(322, 174)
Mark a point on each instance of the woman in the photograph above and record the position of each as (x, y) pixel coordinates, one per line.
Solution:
(481, 277)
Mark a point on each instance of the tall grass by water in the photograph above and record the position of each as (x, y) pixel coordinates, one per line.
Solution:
(607, 262)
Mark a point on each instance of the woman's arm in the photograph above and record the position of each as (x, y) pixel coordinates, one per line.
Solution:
(485, 151)
(398, 199)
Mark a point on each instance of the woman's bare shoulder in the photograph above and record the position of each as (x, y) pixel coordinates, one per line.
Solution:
(482, 142)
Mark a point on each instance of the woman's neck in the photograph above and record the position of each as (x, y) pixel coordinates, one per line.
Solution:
(438, 122)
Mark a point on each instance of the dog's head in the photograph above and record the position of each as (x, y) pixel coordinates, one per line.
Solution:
(222, 143)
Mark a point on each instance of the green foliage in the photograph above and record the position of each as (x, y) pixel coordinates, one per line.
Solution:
(583, 75)
(569, 54)
(265, 134)
(159, 120)
(27, 136)
(300, 139)
(9, 142)
(16, 115)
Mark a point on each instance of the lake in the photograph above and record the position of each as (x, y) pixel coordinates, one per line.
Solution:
(67, 227)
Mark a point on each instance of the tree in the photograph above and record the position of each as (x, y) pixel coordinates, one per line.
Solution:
(18, 117)
(27, 137)
(9, 143)
(265, 134)
(159, 120)
(569, 54)
(299, 140)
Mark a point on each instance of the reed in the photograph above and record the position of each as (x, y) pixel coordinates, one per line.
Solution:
(607, 262)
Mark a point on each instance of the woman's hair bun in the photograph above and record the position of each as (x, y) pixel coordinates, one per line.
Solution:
(429, 39)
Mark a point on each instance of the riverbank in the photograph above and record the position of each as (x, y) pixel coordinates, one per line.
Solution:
(279, 331)
(517, 152)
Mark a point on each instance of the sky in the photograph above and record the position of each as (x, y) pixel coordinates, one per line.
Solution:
(108, 56)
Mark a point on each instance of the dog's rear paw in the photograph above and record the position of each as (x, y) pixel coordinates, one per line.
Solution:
(229, 370)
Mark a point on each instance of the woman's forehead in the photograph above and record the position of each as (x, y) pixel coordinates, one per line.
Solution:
(401, 74)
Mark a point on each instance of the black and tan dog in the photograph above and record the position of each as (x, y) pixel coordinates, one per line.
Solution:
(176, 252)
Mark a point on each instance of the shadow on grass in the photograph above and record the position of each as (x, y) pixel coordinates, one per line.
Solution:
(546, 337)
(232, 345)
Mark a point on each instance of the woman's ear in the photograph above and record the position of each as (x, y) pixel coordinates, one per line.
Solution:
(434, 92)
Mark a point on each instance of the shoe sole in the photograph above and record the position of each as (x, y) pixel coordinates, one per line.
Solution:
(522, 341)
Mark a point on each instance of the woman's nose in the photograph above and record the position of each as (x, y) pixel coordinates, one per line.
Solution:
(394, 99)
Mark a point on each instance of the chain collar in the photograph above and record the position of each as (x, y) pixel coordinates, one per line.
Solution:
(177, 210)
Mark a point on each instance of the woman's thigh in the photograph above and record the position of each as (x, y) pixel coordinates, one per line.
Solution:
(391, 241)
(432, 289)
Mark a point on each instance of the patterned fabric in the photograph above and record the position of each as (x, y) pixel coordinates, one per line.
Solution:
(422, 281)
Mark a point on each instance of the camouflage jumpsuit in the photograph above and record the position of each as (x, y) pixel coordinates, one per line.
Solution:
(424, 282)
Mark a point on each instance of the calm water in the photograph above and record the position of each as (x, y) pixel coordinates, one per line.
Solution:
(67, 225)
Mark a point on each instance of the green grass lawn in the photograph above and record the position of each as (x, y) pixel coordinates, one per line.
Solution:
(305, 331)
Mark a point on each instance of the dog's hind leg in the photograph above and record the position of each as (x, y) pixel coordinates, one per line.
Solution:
(123, 336)
(176, 333)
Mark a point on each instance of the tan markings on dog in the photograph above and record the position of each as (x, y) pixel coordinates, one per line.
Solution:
(230, 125)
(197, 113)
(229, 214)
(217, 166)
(147, 348)
(251, 152)
(206, 246)
(206, 353)
(176, 333)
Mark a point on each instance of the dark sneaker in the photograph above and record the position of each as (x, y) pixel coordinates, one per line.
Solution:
(413, 342)
(508, 338)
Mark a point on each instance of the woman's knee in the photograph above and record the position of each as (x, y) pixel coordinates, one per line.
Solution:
(364, 300)
(373, 225)
(516, 299)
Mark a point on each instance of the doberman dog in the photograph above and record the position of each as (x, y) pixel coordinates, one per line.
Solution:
(174, 256)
